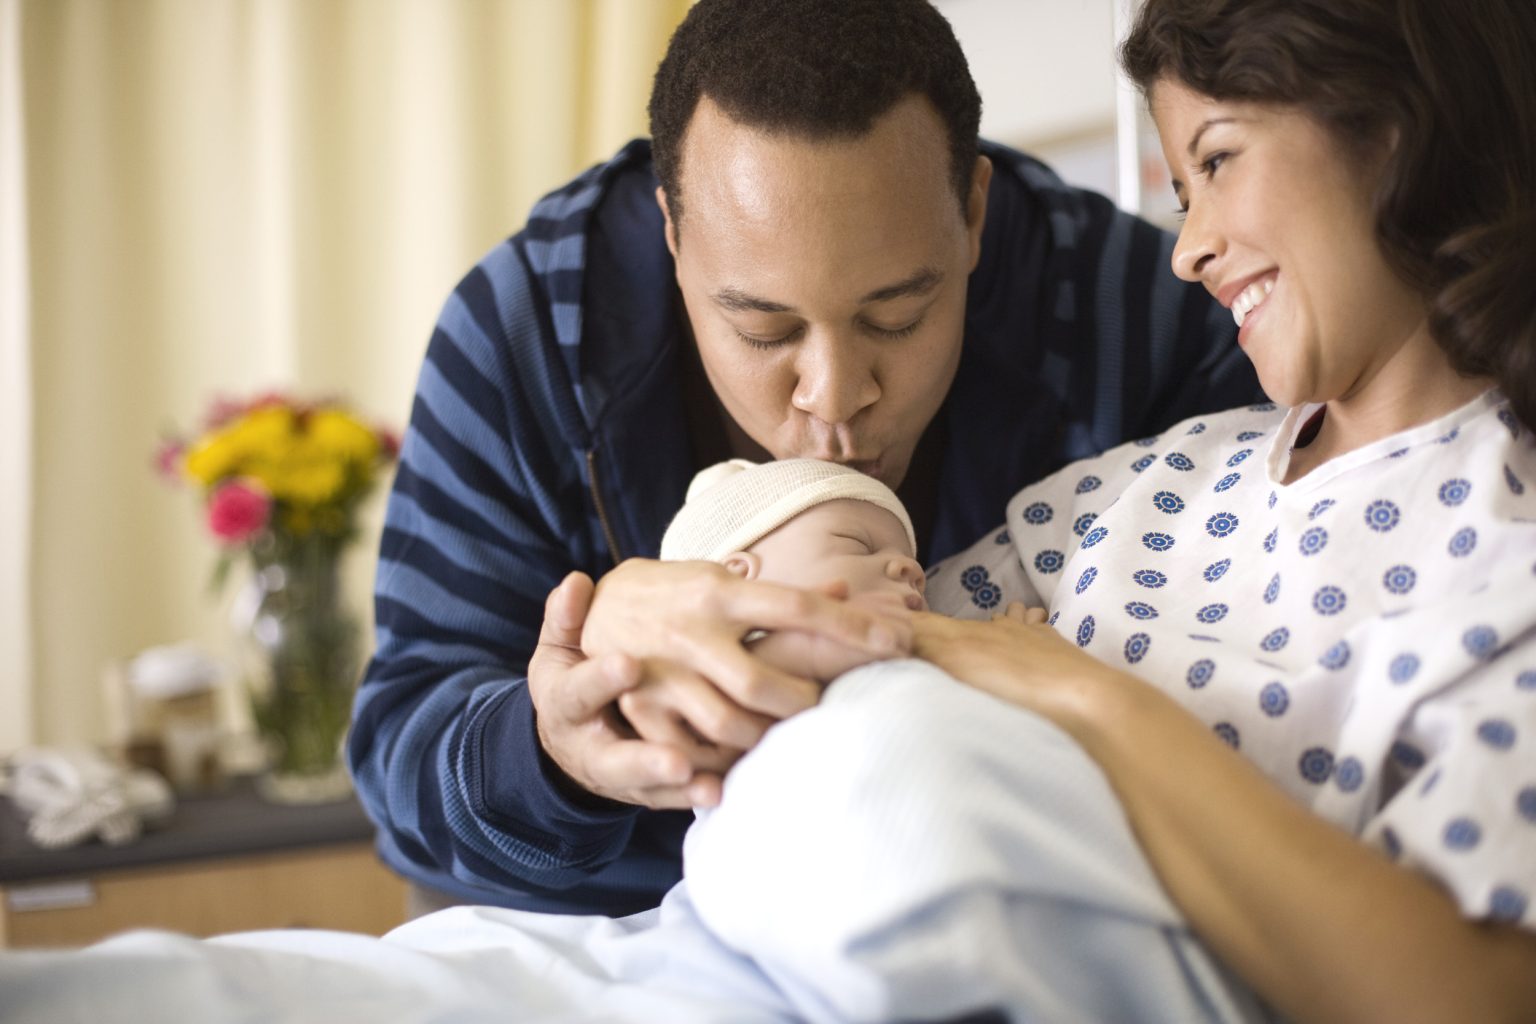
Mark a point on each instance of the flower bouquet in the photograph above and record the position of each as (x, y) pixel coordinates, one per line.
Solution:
(282, 482)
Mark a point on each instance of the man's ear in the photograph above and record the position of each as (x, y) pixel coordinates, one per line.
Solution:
(746, 564)
(976, 206)
(667, 227)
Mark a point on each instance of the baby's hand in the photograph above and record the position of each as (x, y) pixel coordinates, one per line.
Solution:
(1016, 612)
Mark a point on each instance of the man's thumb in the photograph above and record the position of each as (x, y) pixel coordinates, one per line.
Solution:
(565, 611)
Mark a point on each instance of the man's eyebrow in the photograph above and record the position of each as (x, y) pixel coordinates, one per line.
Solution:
(920, 283)
(737, 301)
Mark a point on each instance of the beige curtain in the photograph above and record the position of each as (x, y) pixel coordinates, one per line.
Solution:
(205, 196)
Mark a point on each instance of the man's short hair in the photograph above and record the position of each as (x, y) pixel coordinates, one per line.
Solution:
(819, 69)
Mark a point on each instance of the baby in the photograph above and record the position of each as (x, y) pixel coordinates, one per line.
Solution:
(802, 523)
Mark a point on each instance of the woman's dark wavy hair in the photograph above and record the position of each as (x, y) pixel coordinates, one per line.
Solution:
(1453, 83)
(820, 69)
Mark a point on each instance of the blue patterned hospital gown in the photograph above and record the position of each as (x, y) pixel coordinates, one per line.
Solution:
(1366, 635)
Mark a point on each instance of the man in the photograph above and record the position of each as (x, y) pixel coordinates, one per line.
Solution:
(813, 258)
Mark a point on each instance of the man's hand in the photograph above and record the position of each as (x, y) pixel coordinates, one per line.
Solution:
(696, 613)
(817, 657)
(670, 698)
(578, 722)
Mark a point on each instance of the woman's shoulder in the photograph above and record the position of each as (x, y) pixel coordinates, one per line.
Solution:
(1479, 463)
(1201, 451)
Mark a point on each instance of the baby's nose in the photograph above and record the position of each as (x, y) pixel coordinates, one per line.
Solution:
(908, 571)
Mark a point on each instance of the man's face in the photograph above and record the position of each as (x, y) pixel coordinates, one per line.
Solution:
(825, 281)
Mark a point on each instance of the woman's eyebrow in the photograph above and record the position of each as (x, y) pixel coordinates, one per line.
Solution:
(1209, 123)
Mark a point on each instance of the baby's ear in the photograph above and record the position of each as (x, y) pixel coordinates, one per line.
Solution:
(745, 564)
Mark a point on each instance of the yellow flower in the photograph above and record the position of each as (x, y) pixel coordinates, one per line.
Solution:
(241, 448)
(212, 459)
(305, 479)
(341, 435)
(265, 434)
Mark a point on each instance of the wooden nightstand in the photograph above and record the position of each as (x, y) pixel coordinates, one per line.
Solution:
(223, 863)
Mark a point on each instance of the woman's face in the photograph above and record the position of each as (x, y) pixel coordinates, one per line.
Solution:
(1279, 227)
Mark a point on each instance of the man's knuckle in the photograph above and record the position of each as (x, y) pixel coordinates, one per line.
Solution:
(754, 689)
(633, 703)
(715, 723)
(700, 594)
(672, 637)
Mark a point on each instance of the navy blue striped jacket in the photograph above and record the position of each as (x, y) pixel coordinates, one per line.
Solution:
(548, 434)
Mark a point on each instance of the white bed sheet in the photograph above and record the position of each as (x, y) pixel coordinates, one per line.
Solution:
(462, 965)
(908, 849)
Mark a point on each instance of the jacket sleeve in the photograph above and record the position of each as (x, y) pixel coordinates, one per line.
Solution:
(487, 514)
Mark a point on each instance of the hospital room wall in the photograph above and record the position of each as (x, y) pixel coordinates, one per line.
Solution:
(222, 196)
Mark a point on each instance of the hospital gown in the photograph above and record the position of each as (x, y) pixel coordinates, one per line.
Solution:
(1366, 635)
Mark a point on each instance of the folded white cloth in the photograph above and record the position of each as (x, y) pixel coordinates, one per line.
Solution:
(72, 794)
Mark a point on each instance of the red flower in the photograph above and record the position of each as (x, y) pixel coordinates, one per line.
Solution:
(237, 510)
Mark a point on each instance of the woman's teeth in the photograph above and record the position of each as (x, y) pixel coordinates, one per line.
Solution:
(1251, 297)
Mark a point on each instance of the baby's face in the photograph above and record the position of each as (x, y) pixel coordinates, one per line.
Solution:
(847, 540)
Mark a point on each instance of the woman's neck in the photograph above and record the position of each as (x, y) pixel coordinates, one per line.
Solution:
(1416, 386)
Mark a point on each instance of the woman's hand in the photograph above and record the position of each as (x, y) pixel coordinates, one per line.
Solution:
(1020, 659)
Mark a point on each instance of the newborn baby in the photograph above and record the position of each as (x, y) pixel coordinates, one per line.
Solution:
(911, 848)
(802, 523)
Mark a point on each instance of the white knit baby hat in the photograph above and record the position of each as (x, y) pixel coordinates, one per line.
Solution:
(732, 505)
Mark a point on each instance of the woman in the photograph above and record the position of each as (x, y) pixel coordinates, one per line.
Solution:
(1357, 181)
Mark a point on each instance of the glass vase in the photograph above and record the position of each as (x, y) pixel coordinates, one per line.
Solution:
(300, 644)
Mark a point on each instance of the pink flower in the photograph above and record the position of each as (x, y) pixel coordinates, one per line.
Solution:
(221, 411)
(389, 444)
(168, 459)
(237, 510)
